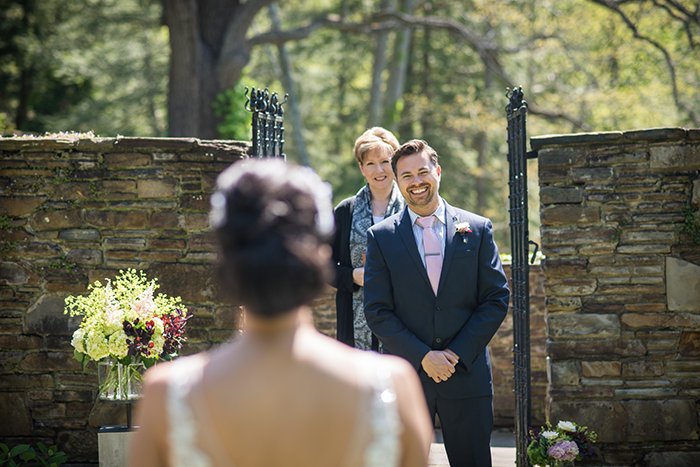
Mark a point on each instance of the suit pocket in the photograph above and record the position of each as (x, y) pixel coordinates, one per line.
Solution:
(465, 253)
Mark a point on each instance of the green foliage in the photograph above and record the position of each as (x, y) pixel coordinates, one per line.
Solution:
(26, 455)
(6, 126)
(5, 223)
(64, 266)
(86, 65)
(236, 119)
(691, 223)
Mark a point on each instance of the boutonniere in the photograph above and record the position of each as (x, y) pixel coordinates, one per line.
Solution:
(463, 229)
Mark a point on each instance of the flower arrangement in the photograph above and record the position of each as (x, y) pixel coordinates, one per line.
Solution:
(463, 229)
(565, 443)
(125, 321)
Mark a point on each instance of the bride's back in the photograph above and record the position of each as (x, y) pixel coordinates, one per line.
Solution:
(286, 408)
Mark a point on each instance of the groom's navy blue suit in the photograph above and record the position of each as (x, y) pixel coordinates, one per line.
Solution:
(410, 320)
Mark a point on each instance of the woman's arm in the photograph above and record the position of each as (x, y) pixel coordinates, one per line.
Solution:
(341, 246)
(149, 446)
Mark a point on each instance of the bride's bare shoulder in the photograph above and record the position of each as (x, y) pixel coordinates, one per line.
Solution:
(159, 375)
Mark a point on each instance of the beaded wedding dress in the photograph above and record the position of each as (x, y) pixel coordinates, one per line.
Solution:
(377, 411)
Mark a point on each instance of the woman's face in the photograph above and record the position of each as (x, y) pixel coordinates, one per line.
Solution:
(376, 169)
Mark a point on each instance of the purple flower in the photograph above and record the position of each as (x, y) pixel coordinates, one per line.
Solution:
(564, 450)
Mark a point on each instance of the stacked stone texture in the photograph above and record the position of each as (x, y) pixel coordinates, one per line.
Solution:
(76, 211)
(622, 286)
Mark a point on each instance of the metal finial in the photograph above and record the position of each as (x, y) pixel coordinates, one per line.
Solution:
(516, 99)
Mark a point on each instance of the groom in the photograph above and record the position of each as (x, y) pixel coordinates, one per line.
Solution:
(435, 294)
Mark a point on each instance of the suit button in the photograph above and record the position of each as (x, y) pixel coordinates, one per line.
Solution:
(438, 340)
(437, 308)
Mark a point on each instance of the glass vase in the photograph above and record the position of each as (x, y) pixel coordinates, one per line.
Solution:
(119, 382)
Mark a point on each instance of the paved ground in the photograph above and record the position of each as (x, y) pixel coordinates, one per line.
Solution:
(502, 450)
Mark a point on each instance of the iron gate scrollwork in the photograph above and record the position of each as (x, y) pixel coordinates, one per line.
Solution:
(268, 122)
(516, 112)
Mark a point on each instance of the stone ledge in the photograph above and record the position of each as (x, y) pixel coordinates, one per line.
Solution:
(218, 148)
(615, 137)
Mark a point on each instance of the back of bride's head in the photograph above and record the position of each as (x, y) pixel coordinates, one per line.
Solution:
(272, 221)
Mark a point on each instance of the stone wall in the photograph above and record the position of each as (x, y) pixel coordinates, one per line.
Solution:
(622, 286)
(76, 211)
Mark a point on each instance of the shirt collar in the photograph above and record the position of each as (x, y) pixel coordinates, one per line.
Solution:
(439, 213)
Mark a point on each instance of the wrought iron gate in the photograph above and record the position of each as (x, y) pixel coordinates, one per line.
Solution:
(268, 122)
(516, 112)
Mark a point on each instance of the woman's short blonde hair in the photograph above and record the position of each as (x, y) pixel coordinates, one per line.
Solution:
(375, 138)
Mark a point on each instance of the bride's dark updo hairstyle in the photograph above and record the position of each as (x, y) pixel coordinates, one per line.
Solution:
(272, 222)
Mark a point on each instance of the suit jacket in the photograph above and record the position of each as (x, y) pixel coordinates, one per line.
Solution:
(472, 299)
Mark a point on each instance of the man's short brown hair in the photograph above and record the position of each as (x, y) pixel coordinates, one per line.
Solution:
(409, 148)
(375, 138)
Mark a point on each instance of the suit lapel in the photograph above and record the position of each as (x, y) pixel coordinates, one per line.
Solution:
(451, 219)
(406, 231)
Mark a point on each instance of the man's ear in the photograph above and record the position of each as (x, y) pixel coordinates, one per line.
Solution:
(438, 171)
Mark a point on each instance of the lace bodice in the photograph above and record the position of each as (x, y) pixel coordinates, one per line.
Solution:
(379, 410)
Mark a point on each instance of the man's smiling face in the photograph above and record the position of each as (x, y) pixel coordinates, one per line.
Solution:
(419, 181)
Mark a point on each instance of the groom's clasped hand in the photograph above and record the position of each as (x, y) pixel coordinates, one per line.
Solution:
(440, 364)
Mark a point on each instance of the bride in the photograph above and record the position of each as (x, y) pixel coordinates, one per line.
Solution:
(282, 394)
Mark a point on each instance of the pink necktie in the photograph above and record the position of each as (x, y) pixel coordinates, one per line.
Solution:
(433, 252)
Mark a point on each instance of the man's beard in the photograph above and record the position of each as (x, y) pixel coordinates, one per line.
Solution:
(425, 199)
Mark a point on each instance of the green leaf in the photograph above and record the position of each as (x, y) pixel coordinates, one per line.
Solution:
(149, 362)
(28, 455)
(42, 447)
(19, 449)
(4, 448)
(58, 460)
(125, 361)
(83, 358)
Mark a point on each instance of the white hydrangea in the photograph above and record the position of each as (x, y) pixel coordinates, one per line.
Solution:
(550, 434)
(567, 426)
(159, 326)
(158, 342)
(78, 341)
(117, 344)
(97, 346)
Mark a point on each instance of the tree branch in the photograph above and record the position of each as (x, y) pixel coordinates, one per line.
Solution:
(234, 51)
(391, 19)
(615, 7)
(557, 115)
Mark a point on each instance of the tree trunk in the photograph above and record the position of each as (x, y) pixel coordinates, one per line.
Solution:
(184, 94)
(208, 53)
(393, 100)
(289, 86)
(375, 94)
(481, 144)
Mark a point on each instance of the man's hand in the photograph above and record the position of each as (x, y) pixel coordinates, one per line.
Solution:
(358, 276)
(440, 364)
